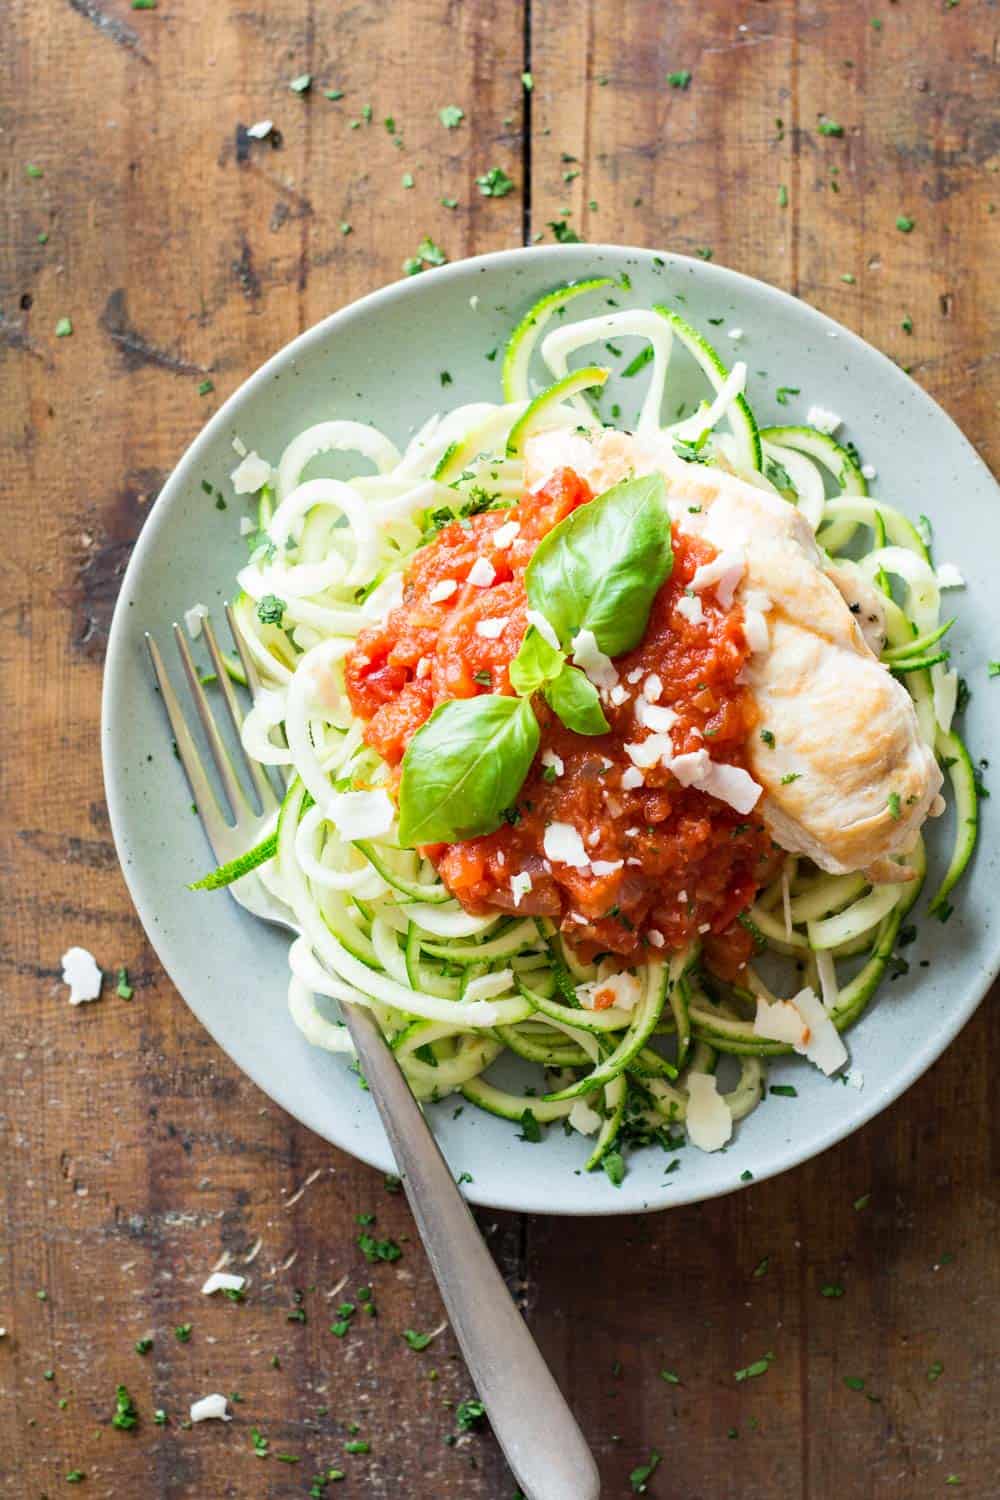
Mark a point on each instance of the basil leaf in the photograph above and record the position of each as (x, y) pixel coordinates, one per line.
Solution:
(463, 767)
(574, 698)
(600, 568)
(535, 663)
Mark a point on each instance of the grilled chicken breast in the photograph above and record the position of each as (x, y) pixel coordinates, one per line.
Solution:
(847, 779)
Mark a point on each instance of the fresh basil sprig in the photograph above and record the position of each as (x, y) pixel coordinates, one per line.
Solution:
(598, 570)
(464, 767)
(601, 567)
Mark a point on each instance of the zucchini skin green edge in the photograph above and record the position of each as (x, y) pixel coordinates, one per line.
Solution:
(951, 749)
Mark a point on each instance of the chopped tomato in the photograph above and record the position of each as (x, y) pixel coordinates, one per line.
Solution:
(669, 863)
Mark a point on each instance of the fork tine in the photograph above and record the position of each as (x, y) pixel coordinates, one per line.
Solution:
(262, 786)
(201, 788)
(230, 784)
(254, 681)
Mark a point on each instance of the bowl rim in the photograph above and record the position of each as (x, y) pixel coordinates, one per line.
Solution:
(566, 256)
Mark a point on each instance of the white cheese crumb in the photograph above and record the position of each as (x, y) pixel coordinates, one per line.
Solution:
(654, 748)
(81, 973)
(618, 695)
(584, 1119)
(240, 447)
(593, 837)
(246, 526)
(442, 591)
(261, 130)
(708, 1121)
(606, 866)
(948, 577)
(869, 471)
(361, 815)
(691, 768)
(223, 1281)
(730, 784)
(505, 534)
(550, 758)
(654, 716)
(597, 667)
(193, 618)
(564, 846)
(656, 938)
(520, 885)
(824, 420)
(691, 608)
(652, 688)
(735, 333)
(631, 778)
(635, 675)
(724, 571)
(482, 573)
(210, 1407)
(486, 986)
(543, 626)
(491, 630)
(251, 475)
(474, 302)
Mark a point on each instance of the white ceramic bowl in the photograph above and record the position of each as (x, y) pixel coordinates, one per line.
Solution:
(380, 360)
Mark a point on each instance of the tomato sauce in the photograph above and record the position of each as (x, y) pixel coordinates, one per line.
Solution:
(684, 863)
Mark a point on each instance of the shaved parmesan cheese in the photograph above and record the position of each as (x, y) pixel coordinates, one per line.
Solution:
(652, 688)
(210, 1407)
(691, 768)
(691, 608)
(246, 526)
(592, 661)
(618, 695)
(251, 475)
(825, 1047)
(550, 758)
(632, 777)
(735, 333)
(222, 1281)
(634, 676)
(81, 973)
(482, 573)
(361, 815)
(654, 716)
(708, 1121)
(442, 591)
(621, 989)
(755, 629)
(491, 630)
(383, 599)
(584, 1119)
(520, 885)
(564, 846)
(606, 866)
(653, 749)
(485, 986)
(261, 130)
(824, 420)
(724, 571)
(779, 1022)
(948, 577)
(193, 618)
(239, 446)
(544, 628)
(869, 471)
(505, 534)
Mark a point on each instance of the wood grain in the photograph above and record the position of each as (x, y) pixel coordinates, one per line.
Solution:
(135, 1155)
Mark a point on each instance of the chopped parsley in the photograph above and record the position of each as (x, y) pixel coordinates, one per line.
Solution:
(449, 202)
(528, 82)
(562, 232)
(125, 1415)
(790, 776)
(935, 1371)
(375, 1250)
(64, 328)
(751, 1372)
(778, 475)
(143, 1346)
(358, 1445)
(993, 668)
(670, 1377)
(408, 179)
(182, 1333)
(703, 252)
(783, 392)
(782, 196)
(679, 80)
(485, 679)
(614, 1166)
(832, 1290)
(760, 1269)
(123, 989)
(428, 254)
(495, 183)
(784, 1090)
(261, 1444)
(642, 359)
(905, 224)
(451, 116)
(469, 1414)
(417, 1340)
(767, 736)
(746, 1175)
(854, 1382)
(530, 1128)
(32, 171)
(641, 1475)
(271, 610)
(894, 806)
(76, 1476)
(829, 127)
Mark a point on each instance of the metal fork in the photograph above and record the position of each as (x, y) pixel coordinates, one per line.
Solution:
(535, 1428)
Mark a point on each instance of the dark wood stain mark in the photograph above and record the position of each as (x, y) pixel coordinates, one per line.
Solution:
(15, 336)
(116, 31)
(243, 140)
(245, 273)
(103, 565)
(96, 854)
(134, 347)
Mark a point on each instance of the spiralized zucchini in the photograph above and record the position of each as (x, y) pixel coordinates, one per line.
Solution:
(378, 928)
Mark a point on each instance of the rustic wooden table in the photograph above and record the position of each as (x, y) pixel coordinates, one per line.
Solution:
(135, 1154)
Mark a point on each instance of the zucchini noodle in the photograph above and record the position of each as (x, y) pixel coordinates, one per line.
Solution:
(453, 991)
